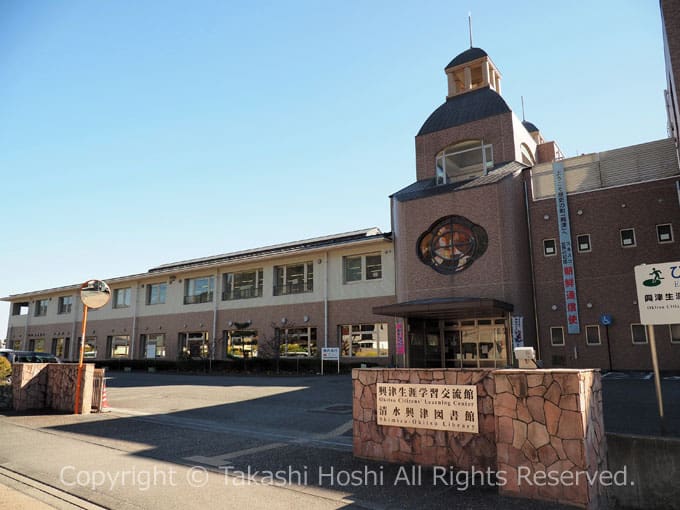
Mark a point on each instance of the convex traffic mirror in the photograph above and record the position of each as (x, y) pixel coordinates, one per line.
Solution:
(95, 293)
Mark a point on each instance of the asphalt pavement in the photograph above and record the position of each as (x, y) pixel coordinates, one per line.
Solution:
(183, 441)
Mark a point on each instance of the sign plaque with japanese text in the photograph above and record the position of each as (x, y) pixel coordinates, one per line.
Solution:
(428, 406)
(658, 292)
(331, 353)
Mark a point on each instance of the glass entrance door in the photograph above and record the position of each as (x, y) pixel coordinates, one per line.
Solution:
(194, 345)
(452, 357)
(425, 345)
(473, 343)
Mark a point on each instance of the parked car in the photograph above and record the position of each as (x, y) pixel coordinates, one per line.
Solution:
(29, 356)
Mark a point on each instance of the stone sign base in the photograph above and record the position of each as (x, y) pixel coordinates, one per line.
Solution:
(541, 431)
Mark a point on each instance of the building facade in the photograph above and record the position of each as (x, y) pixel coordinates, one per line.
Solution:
(500, 241)
(295, 298)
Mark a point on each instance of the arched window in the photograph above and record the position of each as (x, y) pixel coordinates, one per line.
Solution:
(464, 161)
(527, 156)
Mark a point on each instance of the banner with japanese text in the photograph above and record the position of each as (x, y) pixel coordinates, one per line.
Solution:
(564, 228)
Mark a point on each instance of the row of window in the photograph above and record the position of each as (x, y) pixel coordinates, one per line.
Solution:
(288, 279)
(64, 306)
(664, 235)
(356, 340)
(638, 333)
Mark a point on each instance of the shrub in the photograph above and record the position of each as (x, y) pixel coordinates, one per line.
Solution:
(5, 368)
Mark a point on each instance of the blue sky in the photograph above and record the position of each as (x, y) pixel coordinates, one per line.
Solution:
(137, 133)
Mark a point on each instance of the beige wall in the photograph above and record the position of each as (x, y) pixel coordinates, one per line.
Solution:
(522, 136)
(352, 303)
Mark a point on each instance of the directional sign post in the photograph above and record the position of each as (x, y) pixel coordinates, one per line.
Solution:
(658, 293)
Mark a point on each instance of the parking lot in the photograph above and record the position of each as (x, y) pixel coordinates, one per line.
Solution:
(250, 428)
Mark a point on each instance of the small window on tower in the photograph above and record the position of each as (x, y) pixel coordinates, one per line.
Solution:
(549, 247)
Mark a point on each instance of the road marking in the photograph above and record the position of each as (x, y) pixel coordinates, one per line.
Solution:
(222, 460)
(338, 431)
(328, 439)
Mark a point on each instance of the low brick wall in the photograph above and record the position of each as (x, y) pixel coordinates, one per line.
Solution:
(531, 423)
(5, 396)
(50, 386)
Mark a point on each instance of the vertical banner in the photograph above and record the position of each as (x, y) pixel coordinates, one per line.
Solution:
(401, 348)
(517, 323)
(568, 274)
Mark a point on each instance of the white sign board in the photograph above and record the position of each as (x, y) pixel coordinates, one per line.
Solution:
(517, 322)
(428, 406)
(330, 353)
(151, 351)
(658, 292)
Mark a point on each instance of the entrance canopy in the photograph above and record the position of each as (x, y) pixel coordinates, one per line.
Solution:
(446, 308)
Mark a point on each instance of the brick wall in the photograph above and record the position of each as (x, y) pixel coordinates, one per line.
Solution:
(604, 276)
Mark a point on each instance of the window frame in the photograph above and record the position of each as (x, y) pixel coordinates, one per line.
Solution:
(658, 237)
(363, 267)
(111, 345)
(623, 245)
(62, 305)
(599, 336)
(242, 349)
(149, 293)
(37, 344)
(552, 337)
(283, 287)
(127, 297)
(40, 308)
(578, 243)
(670, 333)
(229, 285)
(312, 337)
(20, 309)
(632, 335)
(442, 176)
(209, 295)
(360, 331)
(65, 347)
(144, 341)
(545, 253)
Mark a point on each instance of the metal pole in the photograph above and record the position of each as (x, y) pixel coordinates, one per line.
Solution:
(77, 409)
(609, 348)
(657, 377)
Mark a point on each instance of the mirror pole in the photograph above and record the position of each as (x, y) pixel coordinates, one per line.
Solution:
(80, 361)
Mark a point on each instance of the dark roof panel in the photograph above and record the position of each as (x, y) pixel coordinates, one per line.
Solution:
(279, 249)
(464, 108)
(427, 187)
(467, 56)
(529, 126)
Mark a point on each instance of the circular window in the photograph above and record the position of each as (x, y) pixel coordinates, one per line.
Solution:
(451, 244)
